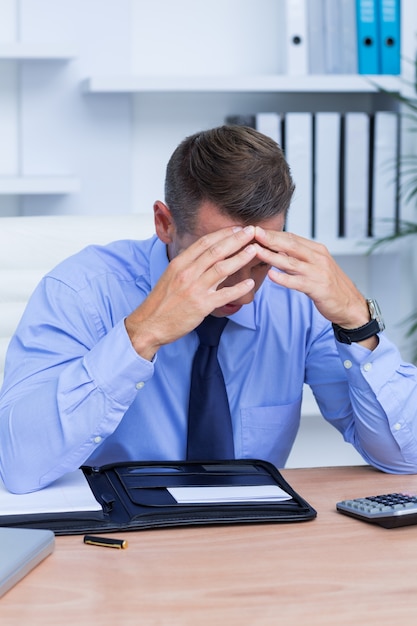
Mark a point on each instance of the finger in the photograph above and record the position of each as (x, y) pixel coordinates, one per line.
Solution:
(294, 254)
(230, 294)
(218, 245)
(281, 260)
(214, 258)
(289, 243)
(218, 272)
(292, 281)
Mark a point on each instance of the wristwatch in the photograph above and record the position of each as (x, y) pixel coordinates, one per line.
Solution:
(371, 328)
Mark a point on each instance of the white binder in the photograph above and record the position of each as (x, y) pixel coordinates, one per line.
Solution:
(357, 177)
(299, 152)
(270, 125)
(327, 179)
(296, 37)
(385, 174)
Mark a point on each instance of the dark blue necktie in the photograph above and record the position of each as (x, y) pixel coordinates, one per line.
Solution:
(210, 435)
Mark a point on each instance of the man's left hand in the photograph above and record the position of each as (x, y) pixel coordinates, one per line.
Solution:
(307, 266)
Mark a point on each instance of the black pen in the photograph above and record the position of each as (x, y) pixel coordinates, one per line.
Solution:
(106, 542)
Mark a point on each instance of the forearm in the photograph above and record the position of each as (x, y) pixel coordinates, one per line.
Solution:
(383, 394)
(50, 426)
(42, 438)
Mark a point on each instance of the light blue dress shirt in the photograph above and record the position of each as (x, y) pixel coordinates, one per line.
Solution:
(75, 390)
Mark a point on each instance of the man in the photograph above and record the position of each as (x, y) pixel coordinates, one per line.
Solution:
(99, 368)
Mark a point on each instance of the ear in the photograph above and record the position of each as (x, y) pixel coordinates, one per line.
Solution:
(164, 224)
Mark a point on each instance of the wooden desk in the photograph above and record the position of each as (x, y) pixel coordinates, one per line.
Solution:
(333, 570)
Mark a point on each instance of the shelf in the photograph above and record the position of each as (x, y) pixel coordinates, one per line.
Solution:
(259, 83)
(35, 51)
(350, 247)
(28, 185)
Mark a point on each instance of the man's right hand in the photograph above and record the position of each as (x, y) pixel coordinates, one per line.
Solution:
(190, 289)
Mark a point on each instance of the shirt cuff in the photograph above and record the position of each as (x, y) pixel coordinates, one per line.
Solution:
(116, 367)
(366, 368)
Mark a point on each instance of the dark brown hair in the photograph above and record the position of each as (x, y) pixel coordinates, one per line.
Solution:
(241, 171)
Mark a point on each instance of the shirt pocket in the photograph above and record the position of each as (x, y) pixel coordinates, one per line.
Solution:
(268, 432)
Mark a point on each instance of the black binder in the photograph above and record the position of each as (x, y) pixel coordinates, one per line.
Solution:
(135, 496)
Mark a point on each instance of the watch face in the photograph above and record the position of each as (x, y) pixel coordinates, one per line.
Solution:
(375, 313)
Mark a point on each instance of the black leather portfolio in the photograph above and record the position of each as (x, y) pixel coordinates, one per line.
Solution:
(142, 495)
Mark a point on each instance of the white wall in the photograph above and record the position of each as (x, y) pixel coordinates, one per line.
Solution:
(194, 38)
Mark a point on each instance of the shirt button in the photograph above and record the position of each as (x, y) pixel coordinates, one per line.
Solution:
(367, 367)
(140, 385)
(397, 426)
(347, 364)
(97, 439)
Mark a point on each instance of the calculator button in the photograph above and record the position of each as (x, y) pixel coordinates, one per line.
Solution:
(351, 503)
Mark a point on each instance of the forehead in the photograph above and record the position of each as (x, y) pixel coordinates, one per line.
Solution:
(210, 219)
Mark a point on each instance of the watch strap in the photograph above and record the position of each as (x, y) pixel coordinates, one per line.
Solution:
(352, 335)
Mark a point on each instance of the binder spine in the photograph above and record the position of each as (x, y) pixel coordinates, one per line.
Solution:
(368, 37)
(390, 36)
(299, 153)
(297, 37)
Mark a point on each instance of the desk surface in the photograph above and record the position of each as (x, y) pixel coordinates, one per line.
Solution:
(333, 570)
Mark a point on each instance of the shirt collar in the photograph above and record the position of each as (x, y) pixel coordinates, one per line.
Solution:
(158, 264)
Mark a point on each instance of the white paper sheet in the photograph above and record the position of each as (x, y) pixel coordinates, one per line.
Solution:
(69, 493)
(210, 495)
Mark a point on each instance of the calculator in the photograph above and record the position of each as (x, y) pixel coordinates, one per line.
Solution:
(389, 510)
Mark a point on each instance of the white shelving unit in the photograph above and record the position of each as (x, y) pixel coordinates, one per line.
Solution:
(22, 51)
(38, 185)
(64, 154)
(256, 83)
